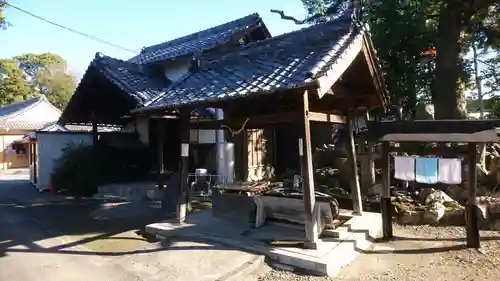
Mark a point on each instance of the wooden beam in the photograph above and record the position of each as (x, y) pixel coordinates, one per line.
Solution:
(486, 136)
(95, 133)
(371, 60)
(326, 118)
(309, 197)
(439, 130)
(183, 166)
(265, 119)
(335, 72)
(385, 196)
(161, 160)
(472, 228)
(355, 186)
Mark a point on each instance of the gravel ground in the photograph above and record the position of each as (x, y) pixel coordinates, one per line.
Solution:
(419, 253)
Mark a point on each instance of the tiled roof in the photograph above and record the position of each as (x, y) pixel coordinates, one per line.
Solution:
(54, 127)
(132, 78)
(200, 41)
(18, 108)
(20, 126)
(285, 61)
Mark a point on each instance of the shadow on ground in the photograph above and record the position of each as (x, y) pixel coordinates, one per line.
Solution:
(86, 226)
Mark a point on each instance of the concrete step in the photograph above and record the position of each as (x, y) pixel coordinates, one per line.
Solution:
(353, 237)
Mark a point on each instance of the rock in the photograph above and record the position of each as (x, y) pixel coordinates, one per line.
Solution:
(489, 212)
(482, 216)
(411, 217)
(408, 213)
(424, 193)
(439, 196)
(453, 216)
(434, 212)
(457, 192)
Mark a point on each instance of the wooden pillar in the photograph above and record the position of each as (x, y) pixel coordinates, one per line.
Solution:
(95, 145)
(95, 133)
(471, 208)
(385, 196)
(183, 166)
(305, 154)
(355, 187)
(161, 160)
(367, 164)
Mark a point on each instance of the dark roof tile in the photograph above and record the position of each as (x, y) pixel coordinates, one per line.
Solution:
(285, 61)
(18, 108)
(132, 78)
(200, 41)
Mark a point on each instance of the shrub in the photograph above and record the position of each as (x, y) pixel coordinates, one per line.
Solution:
(76, 171)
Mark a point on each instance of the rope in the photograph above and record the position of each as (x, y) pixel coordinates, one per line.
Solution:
(234, 133)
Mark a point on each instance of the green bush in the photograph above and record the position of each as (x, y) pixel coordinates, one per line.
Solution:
(76, 171)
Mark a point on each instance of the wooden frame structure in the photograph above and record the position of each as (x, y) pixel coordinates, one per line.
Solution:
(472, 132)
(258, 89)
(302, 114)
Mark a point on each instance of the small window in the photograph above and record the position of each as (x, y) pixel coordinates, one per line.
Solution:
(19, 148)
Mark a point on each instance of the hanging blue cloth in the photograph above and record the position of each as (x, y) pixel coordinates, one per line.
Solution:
(426, 170)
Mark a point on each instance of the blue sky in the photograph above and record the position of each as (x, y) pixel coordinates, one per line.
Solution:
(131, 24)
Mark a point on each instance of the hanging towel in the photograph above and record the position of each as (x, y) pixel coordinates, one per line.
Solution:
(404, 168)
(426, 170)
(450, 171)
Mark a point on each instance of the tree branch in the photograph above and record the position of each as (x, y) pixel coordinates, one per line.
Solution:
(481, 4)
(285, 17)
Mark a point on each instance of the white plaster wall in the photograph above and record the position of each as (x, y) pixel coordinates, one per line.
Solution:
(41, 113)
(141, 125)
(50, 146)
(202, 136)
(177, 68)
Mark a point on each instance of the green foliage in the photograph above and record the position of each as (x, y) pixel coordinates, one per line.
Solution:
(75, 171)
(3, 20)
(13, 86)
(33, 64)
(30, 74)
(402, 29)
(490, 74)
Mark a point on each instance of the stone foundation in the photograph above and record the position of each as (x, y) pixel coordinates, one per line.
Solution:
(134, 191)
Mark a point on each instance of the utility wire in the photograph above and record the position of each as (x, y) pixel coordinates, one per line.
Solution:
(88, 36)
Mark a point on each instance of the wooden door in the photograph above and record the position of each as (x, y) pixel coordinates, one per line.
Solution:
(260, 153)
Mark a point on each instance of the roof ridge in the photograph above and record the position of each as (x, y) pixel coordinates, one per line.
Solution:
(20, 111)
(237, 51)
(100, 57)
(200, 41)
(176, 40)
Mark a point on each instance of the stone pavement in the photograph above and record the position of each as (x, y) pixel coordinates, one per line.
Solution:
(44, 237)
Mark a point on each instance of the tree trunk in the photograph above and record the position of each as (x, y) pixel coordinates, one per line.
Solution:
(482, 147)
(447, 99)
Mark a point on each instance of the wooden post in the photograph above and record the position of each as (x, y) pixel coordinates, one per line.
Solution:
(355, 187)
(385, 196)
(471, 208)
(367, 164)
(305, 153)
(161, 160)
(95, 133)
(183, 167)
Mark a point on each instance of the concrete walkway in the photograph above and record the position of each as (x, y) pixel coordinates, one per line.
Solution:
(54, 238)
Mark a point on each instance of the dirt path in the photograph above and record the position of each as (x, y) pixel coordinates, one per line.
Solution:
(420, 253)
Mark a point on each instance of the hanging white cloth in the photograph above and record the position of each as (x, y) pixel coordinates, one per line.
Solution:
(450, 171)
(404, 168)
